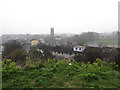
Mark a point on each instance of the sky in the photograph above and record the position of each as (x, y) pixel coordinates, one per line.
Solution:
(66, 16)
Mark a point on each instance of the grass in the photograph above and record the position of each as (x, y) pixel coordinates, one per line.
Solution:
(109, 41)
(63, 74)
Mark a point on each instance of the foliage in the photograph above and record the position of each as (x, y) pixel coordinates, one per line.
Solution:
(47, 54)
(10, 46)
(19, 55)
(63, 74)
(92, 53)
(85, 37)
(8, 68)
(80, 58)
(28, 60)
(35, 54)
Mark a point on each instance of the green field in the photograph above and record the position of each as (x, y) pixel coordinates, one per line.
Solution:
(109, 41)
(61, 74)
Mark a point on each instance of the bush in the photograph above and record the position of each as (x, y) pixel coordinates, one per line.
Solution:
(48, 54)
(80, 58)
(19, 55)
(52, 73)
(10, 46)
(8, 68)
(89, 77)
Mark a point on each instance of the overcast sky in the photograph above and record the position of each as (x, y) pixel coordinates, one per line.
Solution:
(66, 16)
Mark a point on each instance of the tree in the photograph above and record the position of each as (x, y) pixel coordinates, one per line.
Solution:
(80, 58)
(10, 46)
(18, 55)
(34, 54)
(79, 40)
(89, 36)
(92, 53)
(85, 37)
(48, 54)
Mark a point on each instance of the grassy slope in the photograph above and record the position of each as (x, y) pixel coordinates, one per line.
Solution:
(61, 74)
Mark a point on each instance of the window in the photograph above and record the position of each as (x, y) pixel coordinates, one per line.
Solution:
(79, 48)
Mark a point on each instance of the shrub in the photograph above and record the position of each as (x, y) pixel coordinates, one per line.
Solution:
(10, 46)
(92, 53)
(80, 58)
(8, 68)
(61, 73)
(89, 77)
(19, 55)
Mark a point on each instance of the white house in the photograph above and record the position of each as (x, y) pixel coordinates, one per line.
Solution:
(41, 40)
(79, 48)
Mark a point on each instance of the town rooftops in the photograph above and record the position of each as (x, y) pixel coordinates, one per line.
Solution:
(79, 46)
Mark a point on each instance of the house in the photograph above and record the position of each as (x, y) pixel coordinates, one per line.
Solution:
(57, 38)
(79, 48)
(41, 40)
(34, 42)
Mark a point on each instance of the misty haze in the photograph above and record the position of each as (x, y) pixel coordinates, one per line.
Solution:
(59, 44)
